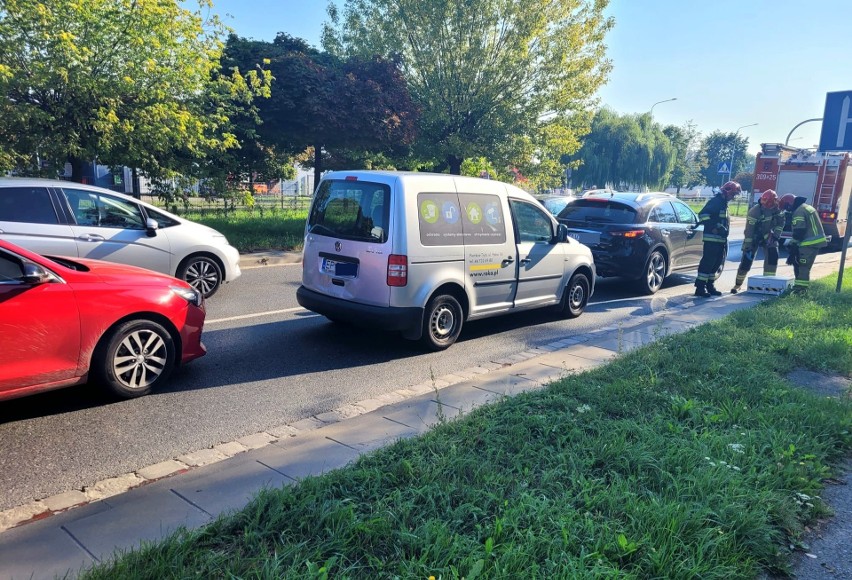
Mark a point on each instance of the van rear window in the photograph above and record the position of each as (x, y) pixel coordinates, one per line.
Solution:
(351, 210)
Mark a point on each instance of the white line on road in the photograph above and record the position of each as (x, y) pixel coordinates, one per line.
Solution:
(255, 315)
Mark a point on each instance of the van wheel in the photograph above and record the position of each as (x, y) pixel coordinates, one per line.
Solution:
(442, 322)
(576, 296)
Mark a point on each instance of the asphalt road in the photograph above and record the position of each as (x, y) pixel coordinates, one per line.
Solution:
(269, 362)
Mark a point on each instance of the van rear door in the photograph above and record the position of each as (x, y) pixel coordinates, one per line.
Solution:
(346, 241)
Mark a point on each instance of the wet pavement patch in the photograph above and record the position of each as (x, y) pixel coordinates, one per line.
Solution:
(827, 385)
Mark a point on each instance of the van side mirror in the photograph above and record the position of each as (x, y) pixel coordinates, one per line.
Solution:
(34, 274)
(561, 233)
(151, 227)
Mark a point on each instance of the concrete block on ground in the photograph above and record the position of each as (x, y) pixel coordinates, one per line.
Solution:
(307, 454)
(368, 432)
(421, 413)
(147, 513)
(217, 489)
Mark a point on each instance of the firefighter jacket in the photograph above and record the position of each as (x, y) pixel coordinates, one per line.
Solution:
(714, 217)
(807, 228)
(760, 222)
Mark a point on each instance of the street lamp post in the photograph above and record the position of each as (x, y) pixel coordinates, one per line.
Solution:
(651, 111)
(734, 148)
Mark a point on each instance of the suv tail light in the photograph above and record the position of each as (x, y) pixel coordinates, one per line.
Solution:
(397, 270)
(828, 216)
(629, 234)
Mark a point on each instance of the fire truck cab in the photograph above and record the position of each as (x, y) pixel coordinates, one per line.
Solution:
(820, 177)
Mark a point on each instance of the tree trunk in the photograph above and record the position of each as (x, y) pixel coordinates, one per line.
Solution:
(455, 164)
(317, 166)
(77, 166)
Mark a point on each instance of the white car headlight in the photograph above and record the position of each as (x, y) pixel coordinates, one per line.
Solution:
(191, 295)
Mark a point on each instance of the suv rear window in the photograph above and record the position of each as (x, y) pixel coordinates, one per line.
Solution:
(351, 210)
(598, 211)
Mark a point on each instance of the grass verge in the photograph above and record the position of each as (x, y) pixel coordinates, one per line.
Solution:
(691, 457)
(259, 229)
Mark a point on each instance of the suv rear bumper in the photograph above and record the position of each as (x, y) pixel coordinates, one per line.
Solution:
(393, 318)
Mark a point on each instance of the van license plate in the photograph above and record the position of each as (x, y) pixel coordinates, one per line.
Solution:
(335, 268)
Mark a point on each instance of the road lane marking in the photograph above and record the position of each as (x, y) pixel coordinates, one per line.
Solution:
(256, 314)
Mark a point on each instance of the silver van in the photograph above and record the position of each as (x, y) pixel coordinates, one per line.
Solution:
(421, 253)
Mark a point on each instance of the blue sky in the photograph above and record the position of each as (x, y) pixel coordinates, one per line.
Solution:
(729, 63)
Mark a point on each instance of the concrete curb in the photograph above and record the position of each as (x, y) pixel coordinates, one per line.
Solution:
(269, 258)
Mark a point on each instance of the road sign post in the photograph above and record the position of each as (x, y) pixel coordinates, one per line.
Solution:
(836, 135)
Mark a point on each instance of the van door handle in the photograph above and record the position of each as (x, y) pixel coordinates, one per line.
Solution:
(508, 260)
(525, 261)
(91, 238)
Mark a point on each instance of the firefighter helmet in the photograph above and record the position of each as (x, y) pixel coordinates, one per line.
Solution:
(731, 188)
(769, 198)
(786, 201)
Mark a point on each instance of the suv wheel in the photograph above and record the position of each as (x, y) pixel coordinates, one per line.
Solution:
(654, 273)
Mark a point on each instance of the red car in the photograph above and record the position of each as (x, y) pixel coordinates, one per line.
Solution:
(65, 321)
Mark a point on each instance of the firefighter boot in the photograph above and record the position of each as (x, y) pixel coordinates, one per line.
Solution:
(711, 290)
(735, 289)
(701, 289)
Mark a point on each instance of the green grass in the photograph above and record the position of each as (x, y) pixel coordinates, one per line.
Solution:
(260, 229)
(737, 208)
(692, 457)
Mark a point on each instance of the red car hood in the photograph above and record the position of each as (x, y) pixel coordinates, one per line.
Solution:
(121, 274)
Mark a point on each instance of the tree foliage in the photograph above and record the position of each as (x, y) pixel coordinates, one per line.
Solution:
(686, 141)
(486, 73)
(626, 152)
(126, 82)
(339, 107)
(718, 147)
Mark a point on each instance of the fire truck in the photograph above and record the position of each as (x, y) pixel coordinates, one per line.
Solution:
(821, 177)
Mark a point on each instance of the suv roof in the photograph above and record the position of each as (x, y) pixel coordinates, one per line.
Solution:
(633, 199)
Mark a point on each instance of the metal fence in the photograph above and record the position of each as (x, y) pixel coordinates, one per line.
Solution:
(263, 204)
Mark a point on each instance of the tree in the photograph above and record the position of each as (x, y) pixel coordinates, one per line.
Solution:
(717, 148)
(625, 151)
(320, 101)
(121, 81)
(489, 76)
(686, 142)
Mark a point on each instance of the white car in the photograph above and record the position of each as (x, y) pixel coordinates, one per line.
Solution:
(62, 218)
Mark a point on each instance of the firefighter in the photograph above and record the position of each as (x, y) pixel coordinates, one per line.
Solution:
(714, 217)
(808, 238)
(764, 223)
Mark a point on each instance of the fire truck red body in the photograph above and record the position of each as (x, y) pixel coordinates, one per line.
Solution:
(822, 178)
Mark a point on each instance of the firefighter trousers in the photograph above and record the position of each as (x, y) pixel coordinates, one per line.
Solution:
(770, 263)
(802, 267)
(711, 260)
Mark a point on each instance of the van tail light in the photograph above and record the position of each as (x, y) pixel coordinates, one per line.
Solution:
(629, 234)
(397, 270)
(828, 216)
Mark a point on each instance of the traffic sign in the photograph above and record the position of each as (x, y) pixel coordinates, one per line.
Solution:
(724, 167)
(837, 122)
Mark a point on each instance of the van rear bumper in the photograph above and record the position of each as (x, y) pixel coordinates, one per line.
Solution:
(407, 320)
